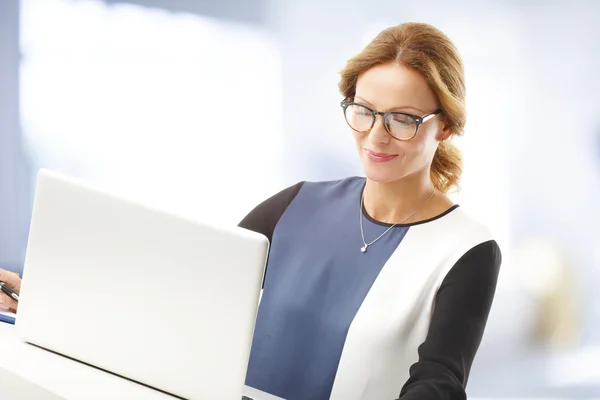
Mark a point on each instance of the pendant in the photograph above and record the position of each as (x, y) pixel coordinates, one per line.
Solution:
(364, 248)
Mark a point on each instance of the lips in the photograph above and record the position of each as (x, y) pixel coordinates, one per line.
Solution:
(380, 157)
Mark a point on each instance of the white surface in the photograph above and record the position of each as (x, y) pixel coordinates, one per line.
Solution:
(57, 376)
(153, 297)
(14, 387)
(28, 372)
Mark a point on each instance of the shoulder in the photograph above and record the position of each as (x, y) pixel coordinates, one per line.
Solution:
(477, 240)
(462, 222)
(455, 230)
(456, 241)
(476, 255)
(265, 216)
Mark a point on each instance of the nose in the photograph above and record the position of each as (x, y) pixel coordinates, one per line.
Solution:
(378, 133)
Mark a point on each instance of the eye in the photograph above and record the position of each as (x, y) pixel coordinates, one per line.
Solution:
(361, 110)
(401, 119)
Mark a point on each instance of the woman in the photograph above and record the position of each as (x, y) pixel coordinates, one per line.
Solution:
(378, 286)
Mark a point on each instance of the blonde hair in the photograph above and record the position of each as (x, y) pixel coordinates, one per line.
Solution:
(430, 52)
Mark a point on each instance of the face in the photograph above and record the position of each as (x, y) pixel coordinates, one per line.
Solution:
(392, 87)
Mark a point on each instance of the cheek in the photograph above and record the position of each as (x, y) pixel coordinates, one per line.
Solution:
(418, 151)
(359, 138)
(425, 142)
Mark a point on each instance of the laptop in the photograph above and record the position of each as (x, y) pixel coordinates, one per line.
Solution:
(154, 297)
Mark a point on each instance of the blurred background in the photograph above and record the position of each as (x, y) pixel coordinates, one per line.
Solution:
(207, 107)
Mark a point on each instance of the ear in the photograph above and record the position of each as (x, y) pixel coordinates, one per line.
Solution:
(444, 133)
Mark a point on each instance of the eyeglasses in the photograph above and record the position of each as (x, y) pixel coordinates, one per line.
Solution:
(399, 125)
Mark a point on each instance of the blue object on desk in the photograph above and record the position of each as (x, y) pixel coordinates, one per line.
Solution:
(6, 318)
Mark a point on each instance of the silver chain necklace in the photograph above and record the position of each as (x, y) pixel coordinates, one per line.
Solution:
(362, 233)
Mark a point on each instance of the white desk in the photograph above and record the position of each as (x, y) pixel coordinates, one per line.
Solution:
(28, 372)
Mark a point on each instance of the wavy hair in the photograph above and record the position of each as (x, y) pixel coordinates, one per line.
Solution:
(430, 52)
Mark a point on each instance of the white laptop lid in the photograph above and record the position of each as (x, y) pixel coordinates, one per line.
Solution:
(154, 297)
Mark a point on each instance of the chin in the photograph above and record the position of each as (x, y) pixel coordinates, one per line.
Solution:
(381, 174)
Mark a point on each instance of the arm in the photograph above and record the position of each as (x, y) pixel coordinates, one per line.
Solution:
(265, 216)
(461, 311)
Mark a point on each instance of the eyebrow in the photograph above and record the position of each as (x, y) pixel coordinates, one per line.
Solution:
(392, 109)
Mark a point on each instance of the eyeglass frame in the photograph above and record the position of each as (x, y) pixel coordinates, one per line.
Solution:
(418, 120)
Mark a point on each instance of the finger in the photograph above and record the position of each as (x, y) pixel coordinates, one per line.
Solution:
(11, 279)
(6, 303)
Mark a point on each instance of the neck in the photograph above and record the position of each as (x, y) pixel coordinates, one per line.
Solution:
(393, 202)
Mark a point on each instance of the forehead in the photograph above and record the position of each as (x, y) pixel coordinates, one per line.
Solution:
(389, 86)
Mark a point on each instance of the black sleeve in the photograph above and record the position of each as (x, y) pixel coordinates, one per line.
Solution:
(461, 310)
(265, 216)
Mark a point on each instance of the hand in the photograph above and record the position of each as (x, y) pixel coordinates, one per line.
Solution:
(13, 281)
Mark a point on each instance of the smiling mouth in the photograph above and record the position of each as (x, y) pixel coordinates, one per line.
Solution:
(380, 157)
